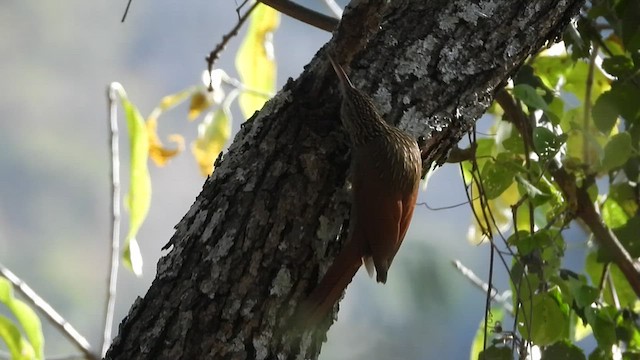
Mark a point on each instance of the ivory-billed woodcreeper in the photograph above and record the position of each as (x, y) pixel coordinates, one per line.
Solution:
(385, 170)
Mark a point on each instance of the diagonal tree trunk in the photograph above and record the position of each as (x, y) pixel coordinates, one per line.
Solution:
(269, 221)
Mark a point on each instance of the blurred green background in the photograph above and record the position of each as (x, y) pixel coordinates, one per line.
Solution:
(57, 60)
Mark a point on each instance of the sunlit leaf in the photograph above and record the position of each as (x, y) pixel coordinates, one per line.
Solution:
(617, 151)
(529, 96)
(555, 70)
(498, 212)
(26, 318)
(17, 345)
(580, 330)
(478, 341)
(548, 322)
(158, 153)
(585, 145)
(613, 214)
(170, 101)
(576, 84)
(625, 195)
(255, 59)
(132, 257)
(213, 134)
(138, 199)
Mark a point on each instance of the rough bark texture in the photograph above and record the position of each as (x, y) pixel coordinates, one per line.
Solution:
(269, 221)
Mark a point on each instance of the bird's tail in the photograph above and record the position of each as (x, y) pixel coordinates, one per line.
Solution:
(314, 309)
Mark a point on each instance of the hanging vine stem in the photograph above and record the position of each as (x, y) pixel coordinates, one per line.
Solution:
(112, 280)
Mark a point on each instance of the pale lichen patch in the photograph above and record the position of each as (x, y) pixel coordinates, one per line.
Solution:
(281, 284)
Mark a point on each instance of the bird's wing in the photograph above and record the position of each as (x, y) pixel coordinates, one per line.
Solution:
(378, 215)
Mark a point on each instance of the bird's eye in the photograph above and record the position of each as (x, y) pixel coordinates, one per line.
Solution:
(422, 140)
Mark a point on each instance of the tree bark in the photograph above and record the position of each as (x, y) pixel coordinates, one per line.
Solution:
(270, 219)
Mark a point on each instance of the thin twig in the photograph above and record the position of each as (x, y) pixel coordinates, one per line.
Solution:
(115, 220)
(614, 292)
(487, 304)
(126, 11)
(586, 126)
(239, 7)
(215, 53)
(49, 313)
(303, 14)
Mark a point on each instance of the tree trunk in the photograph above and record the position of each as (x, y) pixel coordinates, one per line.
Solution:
(269, 221)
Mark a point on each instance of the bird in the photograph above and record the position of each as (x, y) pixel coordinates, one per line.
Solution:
(386, 168)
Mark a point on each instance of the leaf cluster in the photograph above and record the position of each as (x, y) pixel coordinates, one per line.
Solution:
(566, 130)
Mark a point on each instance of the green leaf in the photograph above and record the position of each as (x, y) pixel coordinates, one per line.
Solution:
(585, 295)
(546, 143)
(555, 111)
(605, 112)
(594, 266)
(602, 322)
(618, 65)
(25, 316)
(495, 179)
(531, 190)
(138, 199)
(617, 151)
(496, 353)
(620, 205)
(514, 143)
(556, 70)
(625, 96)
(548, 322)
(563, 351)
(600, 354)
(18, 347)
(529, 96)
(478, 340)
(255, 59)
(628, 235)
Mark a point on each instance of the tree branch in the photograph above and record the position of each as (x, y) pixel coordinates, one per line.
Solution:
(301, 13)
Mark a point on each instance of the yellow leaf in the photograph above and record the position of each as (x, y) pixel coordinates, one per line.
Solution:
(255, 60)
(138, 199)
(158, 153)
(170, 101)
(200, 101)
(213, 133)
(499, 207)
